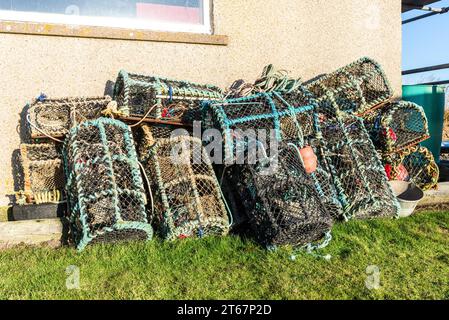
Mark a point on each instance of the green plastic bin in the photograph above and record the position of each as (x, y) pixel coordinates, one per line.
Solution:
(432, 99)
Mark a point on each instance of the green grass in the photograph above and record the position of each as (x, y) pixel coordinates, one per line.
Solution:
(412, 255)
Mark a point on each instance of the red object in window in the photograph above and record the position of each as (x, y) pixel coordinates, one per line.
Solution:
(167, 13)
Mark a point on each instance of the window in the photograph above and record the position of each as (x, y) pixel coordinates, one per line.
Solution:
(161, 15)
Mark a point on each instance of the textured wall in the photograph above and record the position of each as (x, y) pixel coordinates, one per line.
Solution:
(307, 37)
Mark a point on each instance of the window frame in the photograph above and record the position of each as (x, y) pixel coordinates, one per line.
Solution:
(112, 22)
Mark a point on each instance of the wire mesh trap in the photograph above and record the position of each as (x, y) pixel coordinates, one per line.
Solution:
(55, 117)
(282, 201)
(257, 124)
(174, 100)
(356, 88)
(104, 184)
(267, 113)
(396, 126)
(43, 173)
(188, 199)
(356, 168)
(415, 164)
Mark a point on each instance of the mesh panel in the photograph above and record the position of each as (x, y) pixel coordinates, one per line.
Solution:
(43, 172)
(176, 100)
(55, 117)
(241, 119)
(355, 88)
(293, 121)
(355, 166)
(282, 201)
(415, 164)
(188, 200)
(397, 126)
(105, 188)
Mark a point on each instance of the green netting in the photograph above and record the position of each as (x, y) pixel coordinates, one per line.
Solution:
(174, 100)
(396, 126)
(187, 197)
(258, 124)
(284, 204)
(104, 184)
(415, 164)
(55, 117)
(355, 166)
(356, 88)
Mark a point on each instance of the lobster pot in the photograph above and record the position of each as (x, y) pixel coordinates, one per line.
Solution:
(55, 117)
(43, 173)
(259, 123)
(397, 125)
(264, 118)
(188, 200)
(415, 164)
(173, 100)
(356, 168)
(355, 88)
(104, 184)
(284, 203)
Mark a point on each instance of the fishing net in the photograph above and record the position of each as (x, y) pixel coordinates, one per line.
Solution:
(55, 117)
(415, 164)
(188, 200)
(282, 201)
(396, 126)
(356, 88)
(174, 100)
(252, 127)
(356, 168)
(104, 184)
(43, 173)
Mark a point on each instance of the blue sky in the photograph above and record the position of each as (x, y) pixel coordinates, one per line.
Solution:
(426, 43)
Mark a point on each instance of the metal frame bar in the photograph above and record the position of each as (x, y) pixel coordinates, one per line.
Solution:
(433, 12)
(425, 69)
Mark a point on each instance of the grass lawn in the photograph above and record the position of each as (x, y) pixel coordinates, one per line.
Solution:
(412, 256)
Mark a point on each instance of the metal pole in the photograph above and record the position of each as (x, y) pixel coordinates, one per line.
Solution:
(425, 69)
(430, 14)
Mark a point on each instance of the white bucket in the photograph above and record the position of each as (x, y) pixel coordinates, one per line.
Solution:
(408, 196)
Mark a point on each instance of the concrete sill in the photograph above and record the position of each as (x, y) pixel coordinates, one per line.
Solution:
(61, 30)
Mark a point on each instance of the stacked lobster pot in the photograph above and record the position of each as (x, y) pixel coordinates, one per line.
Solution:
(161, 99)
(357, 88)
(356, 167)
(397, 129)
(291, 158)
(48, 122)
(43, 178)
(53, 118)
(186, 196)
(105, 189)
(270, 151)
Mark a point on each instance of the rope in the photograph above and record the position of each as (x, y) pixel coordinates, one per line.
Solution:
(311, 248)
(276, 80)
(270, 80)
(143, 118)
(41, 131)
(149, 186)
